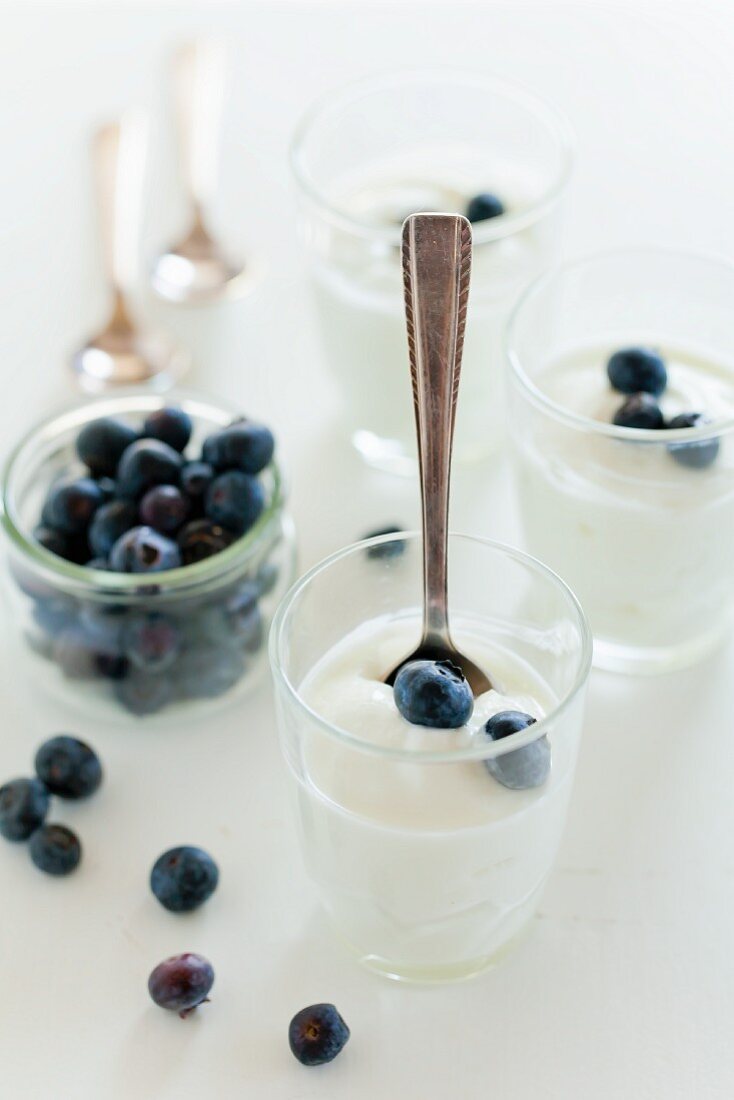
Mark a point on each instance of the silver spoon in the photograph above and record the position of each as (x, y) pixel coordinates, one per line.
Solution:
(436, 268)
(197, 268)
(120, 354)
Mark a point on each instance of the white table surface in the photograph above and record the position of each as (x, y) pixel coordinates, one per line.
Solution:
(626, 987)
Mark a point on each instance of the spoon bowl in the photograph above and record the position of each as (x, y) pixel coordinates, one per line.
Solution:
(197, 269)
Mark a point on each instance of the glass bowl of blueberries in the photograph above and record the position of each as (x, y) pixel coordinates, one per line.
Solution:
(148, 547)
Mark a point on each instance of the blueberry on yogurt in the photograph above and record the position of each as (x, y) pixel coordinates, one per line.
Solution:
(433, 693)
(641, 410)
(482, 207)
(523, 768)
(637, 370)
(699, 454)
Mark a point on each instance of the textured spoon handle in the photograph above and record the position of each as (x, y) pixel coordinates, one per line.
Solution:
(118, 154)
(436, 270)
(199, 71)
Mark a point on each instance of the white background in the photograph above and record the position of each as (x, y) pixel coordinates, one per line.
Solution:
(626, 988)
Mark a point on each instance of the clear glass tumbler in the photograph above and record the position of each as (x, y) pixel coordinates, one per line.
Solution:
(366, 157)
(639, 522)
(427, 867)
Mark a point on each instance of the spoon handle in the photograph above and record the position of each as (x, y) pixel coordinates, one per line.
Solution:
(436, 269)
(199, 71)
(118, 154)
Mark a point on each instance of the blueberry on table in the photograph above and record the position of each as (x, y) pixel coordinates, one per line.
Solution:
(523, 768)
(146, 463)
(244, 445)
(151, 640)
(235, 500)
(637, 370)
(143, 693)
(699, 454)
(100, 444)
(641, 410)
(196, 477)
(171, 426)
(55, 849)
(184, 878)
(143, 550)
(392, 549)
(23, 807)
(165, 508)
(181, 983)
(70, 505)
(68, 767)
(483, 207)
(433, 693)
(317, 1034)
(201, 539)
(110, 522)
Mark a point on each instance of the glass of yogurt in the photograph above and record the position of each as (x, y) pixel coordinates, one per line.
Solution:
(631, 497)
(366, 157)
(429, 847)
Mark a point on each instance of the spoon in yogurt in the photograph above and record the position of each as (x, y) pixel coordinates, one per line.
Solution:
(436, 256)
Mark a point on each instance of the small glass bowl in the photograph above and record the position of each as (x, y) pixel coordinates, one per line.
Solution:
(78, 621)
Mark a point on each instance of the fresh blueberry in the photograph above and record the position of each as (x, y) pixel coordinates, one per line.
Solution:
(522, 768)
(23, 806)
(146, 463)
(392, 549)
(235, 500)
(242, 446)
(100, 444)
(699, 454)
(206, 671)
(165, 508)
(152, 641)
(68, 767)
(142, 693)
(317, 1034)
(171, 426)
(202, 539)
(184, 878)
(484, 206)
(433, 693)
(55, 849)
(637, 370)
(641, 410)
(143, 550)
(110, 522)
(196, 477)
(181, 983)
(70, 505)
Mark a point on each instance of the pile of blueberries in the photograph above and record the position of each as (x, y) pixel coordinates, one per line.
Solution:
(642, 375)
(144, 507)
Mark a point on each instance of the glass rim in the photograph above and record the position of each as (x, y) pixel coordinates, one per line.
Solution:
(277, 644)
(492, 229)
(662, 437)
(104, 582)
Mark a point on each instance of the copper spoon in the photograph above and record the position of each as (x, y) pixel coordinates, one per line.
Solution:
(436, 251)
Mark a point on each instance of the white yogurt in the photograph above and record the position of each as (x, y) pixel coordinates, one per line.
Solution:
(427, 869)
(645, 542)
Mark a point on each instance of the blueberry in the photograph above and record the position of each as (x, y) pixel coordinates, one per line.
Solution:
(152, 641)
(242, 446)
(171, 426)
(522, 768)
(391, 549)
(68, 767)
(697, 455)
(23, 806)
(235, 500)
(181, 983)
(142, 693)
(317, 1034)
(100, 444)
(51, 540)
(184, 878)
(110, 522)
(206, 671)
(433, 693)
(641, 410)
(55, 850)
(484, 206)
(196, 477)
(70, 505)
(165, 508)
(143, 550)
(202, 539)
(637, 370)
(146, 463)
